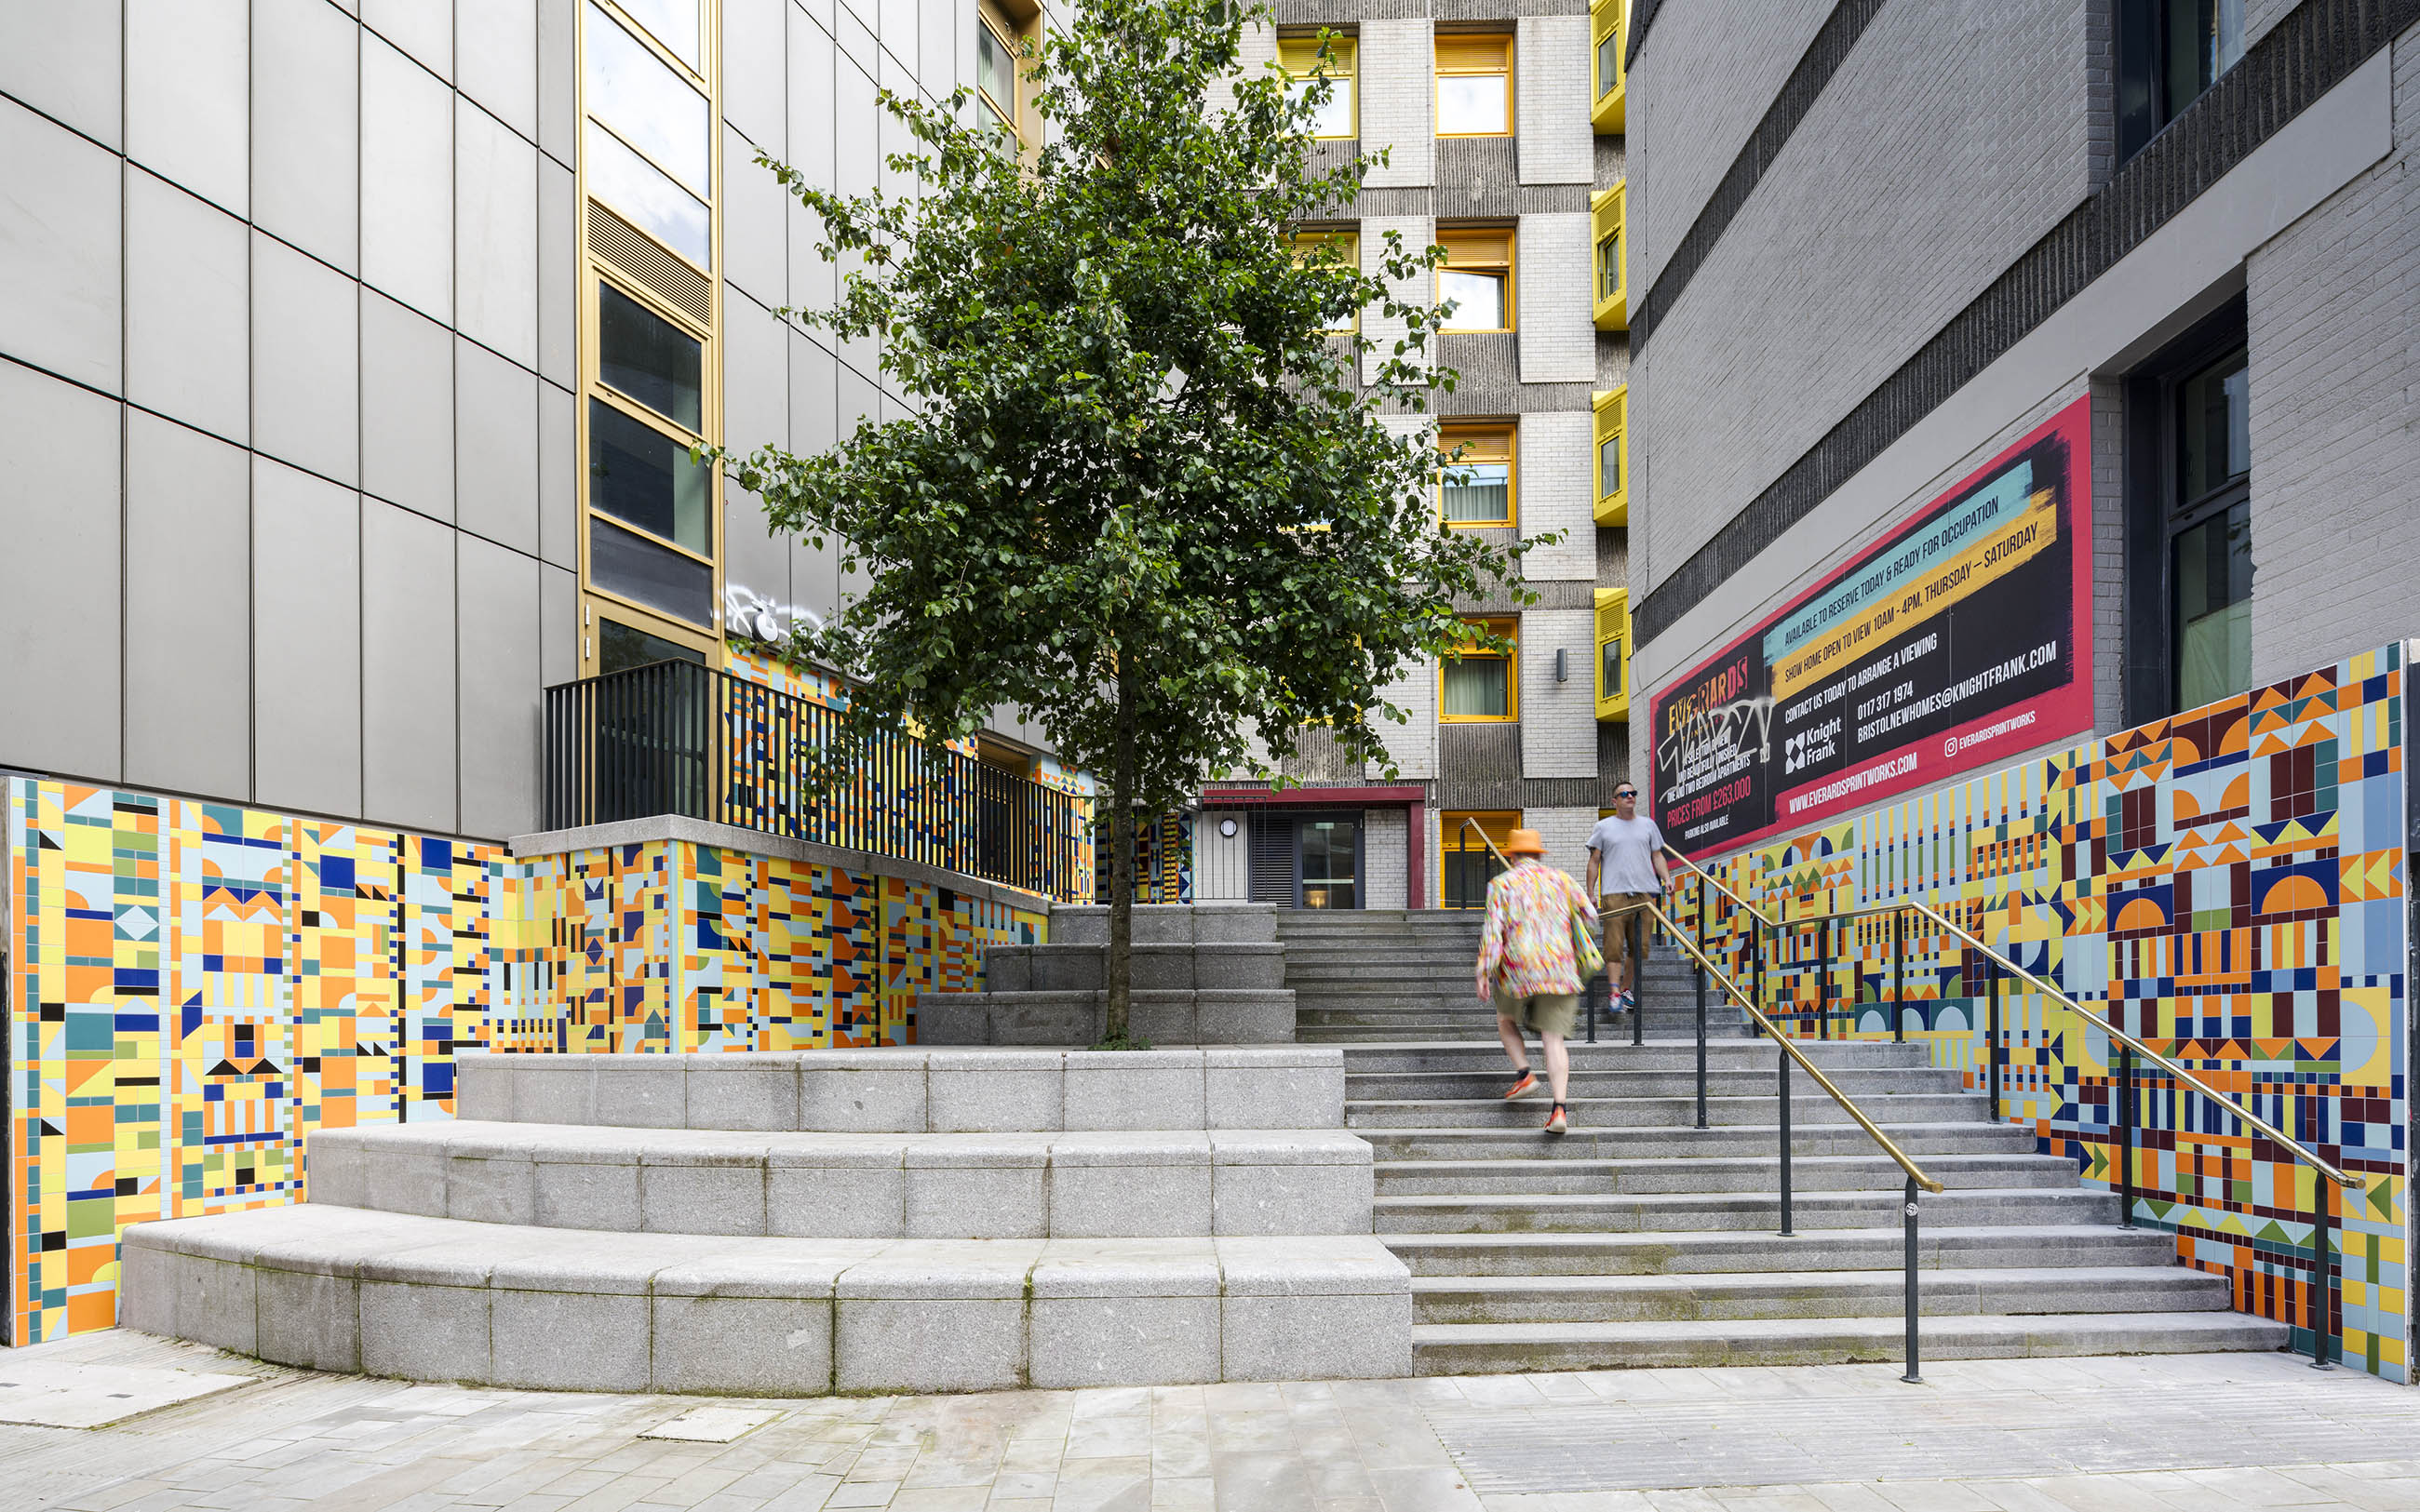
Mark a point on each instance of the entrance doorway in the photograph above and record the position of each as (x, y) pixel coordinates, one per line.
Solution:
(1467, 865)
(1328, 861)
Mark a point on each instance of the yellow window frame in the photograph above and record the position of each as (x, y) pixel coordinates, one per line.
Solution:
(1613, 426)
(1453, 840)
(1613, 630)
(1307, 245)
(1605, 224)
(1494, 441)
(1475, 54)
(1608, 21)
(1509, 629)
(1299, 53)
(1009, 31)
(1488, 249)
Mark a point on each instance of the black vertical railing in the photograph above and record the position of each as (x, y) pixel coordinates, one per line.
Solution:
(676, 737)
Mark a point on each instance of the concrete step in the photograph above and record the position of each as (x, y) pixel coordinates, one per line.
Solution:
(1733, 1141)
(1087, 1185)
(435, 1299)
(1709, 1251)
(1462, 1348)
(1659, 1112)
(1834, 1294)
(1731, 1080)
(1656, 1055)
(1747, 1173)
(1600, 1213)
(1372, 1034)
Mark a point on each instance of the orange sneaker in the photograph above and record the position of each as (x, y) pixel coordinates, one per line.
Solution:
(1557, 1122)
(1524, 1086)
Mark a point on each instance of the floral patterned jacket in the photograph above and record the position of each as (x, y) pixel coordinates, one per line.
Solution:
(1527, 948)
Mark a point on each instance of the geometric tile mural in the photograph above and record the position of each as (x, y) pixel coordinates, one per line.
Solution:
(192, 988)
(2229, 886)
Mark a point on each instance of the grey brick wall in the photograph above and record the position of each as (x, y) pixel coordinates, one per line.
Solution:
(1556, 302)
(2108, 608)
(1398, 60)
(1953, 137)
(1416, 232)
(2334, 316)
(1565, 832)
(1383, 863)
(1558, 493)
(1700, 86)
(1222, 864)
(1550, 74)
(1557, 719)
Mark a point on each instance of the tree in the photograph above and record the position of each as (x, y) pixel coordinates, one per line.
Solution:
(1141, 495)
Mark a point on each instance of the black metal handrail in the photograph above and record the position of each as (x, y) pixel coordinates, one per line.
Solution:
(1998, 971)
(678, 737)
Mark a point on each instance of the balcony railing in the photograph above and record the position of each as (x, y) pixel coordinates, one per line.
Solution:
(675, 737)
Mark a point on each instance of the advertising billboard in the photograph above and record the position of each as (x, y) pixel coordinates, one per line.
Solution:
(1961, 640)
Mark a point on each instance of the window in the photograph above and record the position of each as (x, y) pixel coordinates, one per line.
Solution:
(1340, 249)
(1474, 86)
(2189, 567)
(1610, 36)
(1476, 487)
(1478, 684)
(2170, 51)
(996, 78)
(673, 23)
(1612, 653)
(647, 196)
(1468, 865)
(648, 359)
(1301, 57)
(1613, 457)
(1606, 211)
(640, 98)
(1477, 279)
(621, 647)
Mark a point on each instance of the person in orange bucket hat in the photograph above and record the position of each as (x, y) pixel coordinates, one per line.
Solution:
(1530, 969)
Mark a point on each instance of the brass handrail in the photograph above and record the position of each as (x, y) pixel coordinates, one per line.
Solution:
(1711, 881)
(2302, 1151)
(1473, 823)
(2308, 1156)
(1889, 1145)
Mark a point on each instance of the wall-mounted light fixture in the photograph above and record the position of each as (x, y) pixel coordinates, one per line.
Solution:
(1563, 665)
(1227, 827)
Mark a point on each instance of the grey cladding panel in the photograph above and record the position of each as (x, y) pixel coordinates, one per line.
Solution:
(754, 51)
(756, 222)
(499, 59)
(187, 68)
(500, 611)
(406, 181)
(495, 448)
(558, 273)
(58, 576)
(188, 338)
(558, 476)
(306, 127)
(188, 611)
(424, 28)
(558, 75)
(408, 757)
(306, 641)
(305, 361)
(59, 233)
(407, 404)
(495, 235)
(66, 61)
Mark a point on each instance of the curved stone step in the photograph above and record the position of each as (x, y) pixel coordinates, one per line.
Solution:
(1066, 1185)
(1831, 1294)
(914, 1091)
(1711, 1251)
(1688, 1145)
(1864, 1172)
(435, 1299)
(1655, 1054)
(1722, 1080)
(1457, 1348)
(1601, 1213)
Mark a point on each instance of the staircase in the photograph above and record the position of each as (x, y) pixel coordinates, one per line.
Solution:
(1394, 974)
(1640, 1239)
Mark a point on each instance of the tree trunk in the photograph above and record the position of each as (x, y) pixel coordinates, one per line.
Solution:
(1121, 869)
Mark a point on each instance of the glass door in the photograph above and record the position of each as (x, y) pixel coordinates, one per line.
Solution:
(1329, 854)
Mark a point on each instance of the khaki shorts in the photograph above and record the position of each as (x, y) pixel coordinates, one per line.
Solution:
(1547, 1012)
(1617, 923)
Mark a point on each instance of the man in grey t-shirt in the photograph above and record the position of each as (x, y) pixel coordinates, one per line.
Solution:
(1626, 869)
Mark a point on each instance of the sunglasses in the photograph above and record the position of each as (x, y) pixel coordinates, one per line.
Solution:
(1626, 793)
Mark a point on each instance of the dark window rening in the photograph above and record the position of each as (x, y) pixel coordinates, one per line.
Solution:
(2189, 521)
(2169, 53)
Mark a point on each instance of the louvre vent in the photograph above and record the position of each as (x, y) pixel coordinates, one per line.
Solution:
(635, 254)
(1272, 859)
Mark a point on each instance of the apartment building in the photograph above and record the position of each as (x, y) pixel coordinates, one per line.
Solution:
(1502, 125)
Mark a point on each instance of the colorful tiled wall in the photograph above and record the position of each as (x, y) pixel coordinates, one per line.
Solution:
(193, 988)
(2229, 885)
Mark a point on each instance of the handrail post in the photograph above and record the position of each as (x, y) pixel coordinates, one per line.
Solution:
(1701, 1005)
(1992, 1041)
(1899, 976)
(1783, 1055)
(1637, 926)
(1915, 1375)
(2124, 1091)
(1824, 978)
(2323, 1270)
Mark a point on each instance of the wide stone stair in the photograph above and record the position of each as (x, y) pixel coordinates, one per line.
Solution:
(1640, 1239)
(1388, 976)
